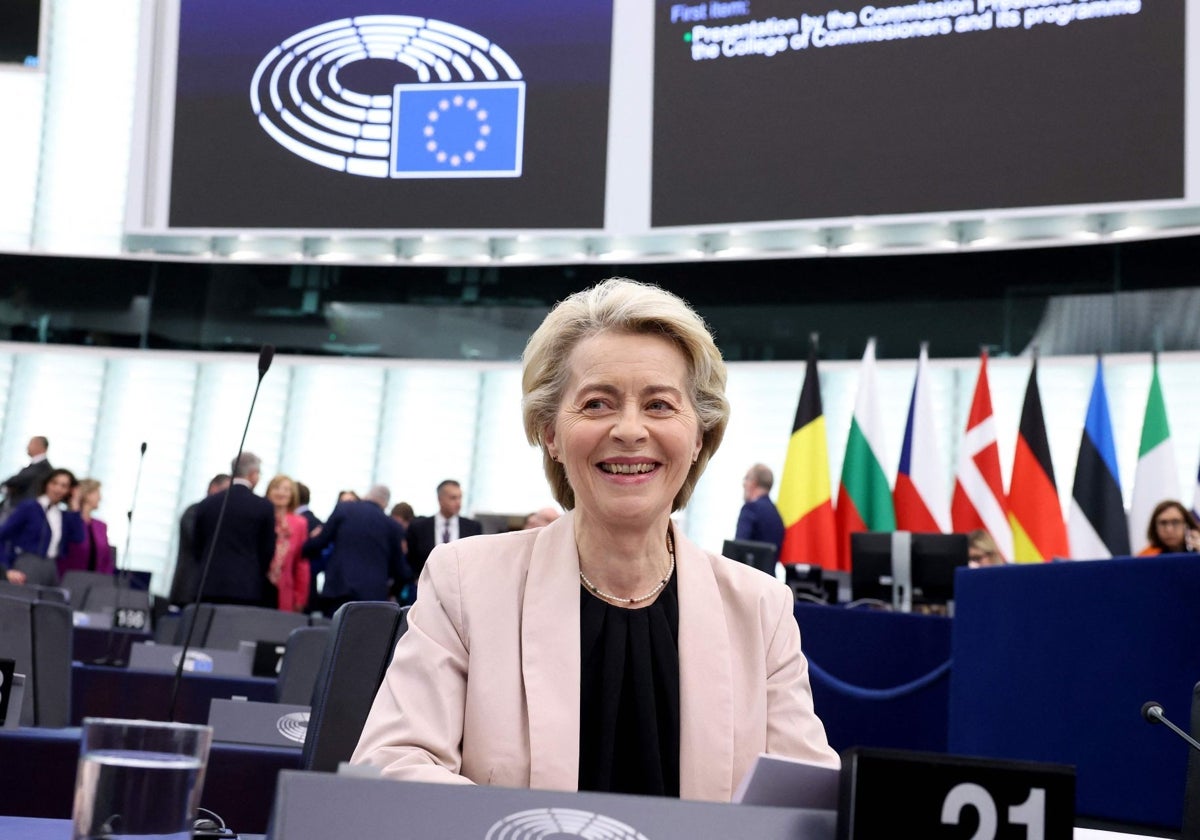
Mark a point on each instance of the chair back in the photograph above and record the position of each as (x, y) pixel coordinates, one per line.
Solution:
(362, 637)
(225, 626)
(301, 663)
(36, 635)
(79, 583)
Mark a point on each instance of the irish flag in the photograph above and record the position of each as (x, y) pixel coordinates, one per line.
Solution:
(920, 495)
(864, 501)
(804, 500)
(979, 500)
(1155, 478)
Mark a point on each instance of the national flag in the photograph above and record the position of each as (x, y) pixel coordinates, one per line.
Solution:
(804, 499)
(1034, 511)
(1155, 478)
(1096, 524)
(979, 500)
(458, 130)
(1196, 496)
(920, 495)
(864, 501)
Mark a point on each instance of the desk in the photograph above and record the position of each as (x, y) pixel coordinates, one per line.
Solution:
(239, 784)
(101, 691)
(92, 643)
(879, 679)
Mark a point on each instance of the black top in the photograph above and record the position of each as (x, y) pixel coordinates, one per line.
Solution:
(629, 695)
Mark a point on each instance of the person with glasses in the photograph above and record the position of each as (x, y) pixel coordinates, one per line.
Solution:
(1172, 530)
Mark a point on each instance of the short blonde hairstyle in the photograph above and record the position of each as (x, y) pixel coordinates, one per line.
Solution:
(619, 305)
(86, 487)
(279, 479)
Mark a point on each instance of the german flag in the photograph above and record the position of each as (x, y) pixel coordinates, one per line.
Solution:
(805, 502)
(1034, 511)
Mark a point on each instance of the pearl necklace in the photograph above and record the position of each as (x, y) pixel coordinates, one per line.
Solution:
(657, 588)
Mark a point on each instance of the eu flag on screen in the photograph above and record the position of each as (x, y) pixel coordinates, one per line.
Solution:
(458, 130)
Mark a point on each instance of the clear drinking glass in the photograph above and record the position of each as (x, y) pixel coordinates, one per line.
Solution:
(139, 778)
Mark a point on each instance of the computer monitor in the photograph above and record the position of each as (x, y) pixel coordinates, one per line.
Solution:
(760, 555)
(935, 558)
(871, 566)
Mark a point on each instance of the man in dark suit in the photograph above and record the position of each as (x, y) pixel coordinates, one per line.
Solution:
(366, 563)
(445, 526)
(187, 564)
(759, 519)
(28, 481)
(304, 496)
(246, 544)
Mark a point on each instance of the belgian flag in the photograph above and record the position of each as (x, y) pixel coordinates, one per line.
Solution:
(805, 502)
(1034, 511)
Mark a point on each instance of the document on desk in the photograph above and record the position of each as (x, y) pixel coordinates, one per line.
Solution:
(789, 783)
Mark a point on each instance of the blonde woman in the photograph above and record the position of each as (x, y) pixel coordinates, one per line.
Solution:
(288, 571)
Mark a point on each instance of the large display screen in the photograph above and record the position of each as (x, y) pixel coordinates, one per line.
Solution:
(351, 114)
(808, 109)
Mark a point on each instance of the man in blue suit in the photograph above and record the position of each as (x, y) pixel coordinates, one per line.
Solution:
(367, 562)
(759, 520)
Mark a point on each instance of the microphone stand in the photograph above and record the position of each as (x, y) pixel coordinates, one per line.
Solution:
(265, 355)
(1153, 713)
(121, 575)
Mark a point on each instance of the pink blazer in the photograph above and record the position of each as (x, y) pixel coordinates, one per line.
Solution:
(293, 569)
(484, 686)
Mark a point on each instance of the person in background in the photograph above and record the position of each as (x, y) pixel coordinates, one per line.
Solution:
(403, 513)
(604, 651)
(445, 526)
(187, 566)
(93, 553)
(541, 518)
(347, 496)
(304, 495)
(1172, 530)
(759, 520)
(35, 534)
(28, 481)
(982, 550)
(243, 547)
(289, 570)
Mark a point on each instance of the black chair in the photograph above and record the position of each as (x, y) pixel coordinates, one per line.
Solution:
(362, 637)
(36, 635)
(32, 592)
(1191, 793)
(225, 626)
(79, 583)
(302, 656)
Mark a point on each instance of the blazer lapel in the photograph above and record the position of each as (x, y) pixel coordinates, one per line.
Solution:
(705, 679)
(550, 657)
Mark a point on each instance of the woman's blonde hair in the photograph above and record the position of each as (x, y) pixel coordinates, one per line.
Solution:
(276, 481)
(621, 306)
(86, 487)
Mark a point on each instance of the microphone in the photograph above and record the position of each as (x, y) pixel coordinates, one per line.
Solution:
(265, 356)
(121, 575)
(1153, 713)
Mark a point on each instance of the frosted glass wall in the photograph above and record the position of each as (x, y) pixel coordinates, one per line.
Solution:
(348, 424)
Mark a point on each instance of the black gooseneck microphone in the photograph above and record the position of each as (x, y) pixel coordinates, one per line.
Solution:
(121, 572)
(265, 356)
(1153, 713)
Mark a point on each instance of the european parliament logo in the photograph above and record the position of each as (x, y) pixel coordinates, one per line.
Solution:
(464, 117)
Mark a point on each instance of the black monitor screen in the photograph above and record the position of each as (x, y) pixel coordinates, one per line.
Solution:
(871, 566)
(19, 24)
(760, 555)
(935, 558)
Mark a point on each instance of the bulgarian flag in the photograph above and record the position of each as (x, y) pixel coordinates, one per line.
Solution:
(804, 501)
(1155, 478)
(979, 500)
(920, 495)
(1034, 511)
(864, 500)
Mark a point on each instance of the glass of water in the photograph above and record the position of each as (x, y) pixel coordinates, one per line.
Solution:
(139, 778)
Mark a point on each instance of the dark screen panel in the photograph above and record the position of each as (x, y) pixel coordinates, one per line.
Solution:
(237, 167)
(782, 109)
(20, 24)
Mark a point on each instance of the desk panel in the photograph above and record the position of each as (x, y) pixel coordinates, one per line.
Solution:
(100, 691)
(239, 784)
(879, 679)
(1052, 662)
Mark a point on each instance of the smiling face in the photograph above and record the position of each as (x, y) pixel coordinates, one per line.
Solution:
(626, 432)
(280, 493)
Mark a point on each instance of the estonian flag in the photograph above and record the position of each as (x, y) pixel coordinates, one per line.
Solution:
(1096, 524)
